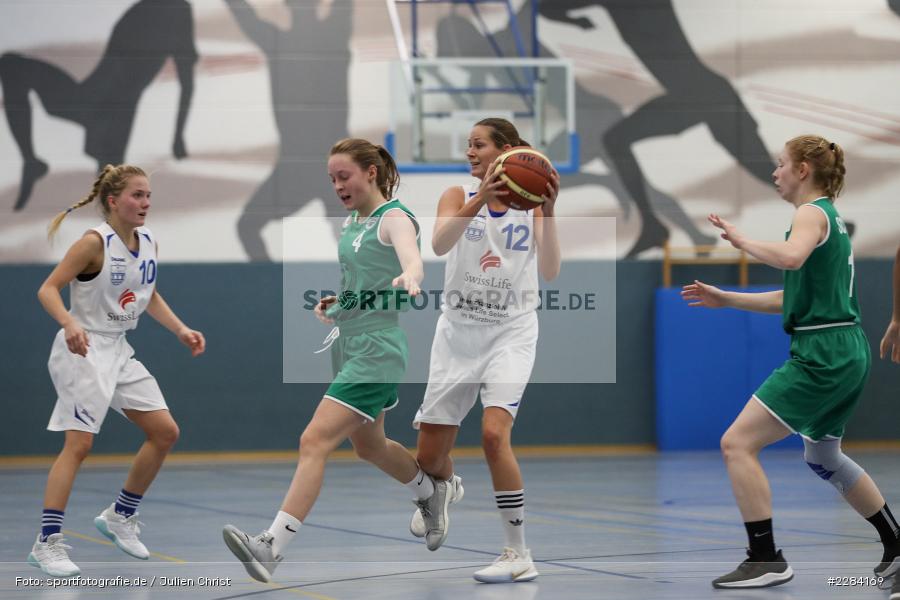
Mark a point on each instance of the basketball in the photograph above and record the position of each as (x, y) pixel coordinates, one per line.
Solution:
(526, 174)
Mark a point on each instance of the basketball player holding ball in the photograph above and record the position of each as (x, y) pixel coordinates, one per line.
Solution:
(486, 336)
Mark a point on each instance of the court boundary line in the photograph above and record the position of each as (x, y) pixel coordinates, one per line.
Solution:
(341, 455)
(346, 455)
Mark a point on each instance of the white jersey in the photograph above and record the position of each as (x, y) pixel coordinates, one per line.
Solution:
(113, 299)
(491, 273)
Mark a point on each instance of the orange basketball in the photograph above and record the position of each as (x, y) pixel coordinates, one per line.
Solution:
(526, 173)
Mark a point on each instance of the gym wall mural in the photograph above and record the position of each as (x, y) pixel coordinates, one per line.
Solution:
(232, 106)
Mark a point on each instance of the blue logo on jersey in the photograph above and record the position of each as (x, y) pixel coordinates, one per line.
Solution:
(86, 414)
(475, 229)
(116, 270)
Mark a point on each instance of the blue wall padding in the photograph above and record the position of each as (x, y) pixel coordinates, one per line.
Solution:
(708, 364)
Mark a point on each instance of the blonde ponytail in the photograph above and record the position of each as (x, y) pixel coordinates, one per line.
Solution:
(110, 182)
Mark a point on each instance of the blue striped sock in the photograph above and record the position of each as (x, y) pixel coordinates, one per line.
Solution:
(51, 522)
(127, 503)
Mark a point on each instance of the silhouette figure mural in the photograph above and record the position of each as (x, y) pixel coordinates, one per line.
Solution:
(105, 102)
(308, 67)
(694, 95)
(595, 114)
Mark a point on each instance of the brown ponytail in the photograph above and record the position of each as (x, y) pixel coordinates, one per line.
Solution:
(365, 154)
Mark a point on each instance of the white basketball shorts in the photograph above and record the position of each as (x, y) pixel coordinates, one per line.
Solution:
(471, 358)
(109, 376)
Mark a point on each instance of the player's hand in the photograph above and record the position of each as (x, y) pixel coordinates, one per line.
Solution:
(550, 195)
(890, 343)
(491, 184)
(323, 304)
(193, 339)
(76, 339)
(729, 231)
(408, 283)
(701, 294)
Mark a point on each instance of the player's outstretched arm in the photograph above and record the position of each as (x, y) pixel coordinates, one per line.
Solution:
(807, 230)
(709, 296)
(400, 232)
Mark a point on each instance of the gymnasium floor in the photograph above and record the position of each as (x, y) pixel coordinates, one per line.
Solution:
(637, 526)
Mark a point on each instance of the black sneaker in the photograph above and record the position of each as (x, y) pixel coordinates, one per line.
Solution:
(890, 562)
(754, 573)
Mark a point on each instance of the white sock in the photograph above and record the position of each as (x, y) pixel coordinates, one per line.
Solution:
(421, 485)
(283, 530)
(512, 511)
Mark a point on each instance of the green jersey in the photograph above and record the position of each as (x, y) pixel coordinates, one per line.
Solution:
(367, 300)
(822, 293)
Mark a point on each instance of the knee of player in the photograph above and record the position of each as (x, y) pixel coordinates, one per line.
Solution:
(312, 442)
(307, 439)
(430, 461)
(729, 445)
(166, 436)
(826, 460)
(79, 448)
(494, 440)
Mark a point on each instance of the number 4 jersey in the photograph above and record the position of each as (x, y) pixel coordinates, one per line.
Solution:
(822, 293)
(113, 299)
(491, 272)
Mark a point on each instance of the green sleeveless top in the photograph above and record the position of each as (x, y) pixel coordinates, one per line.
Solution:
(822, 292)
(367, 301)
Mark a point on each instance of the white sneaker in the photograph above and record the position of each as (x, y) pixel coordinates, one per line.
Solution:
(417, 523)
(255, 552)
(435, 512)
(508, 567)
(51, 557)
(123, 531)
